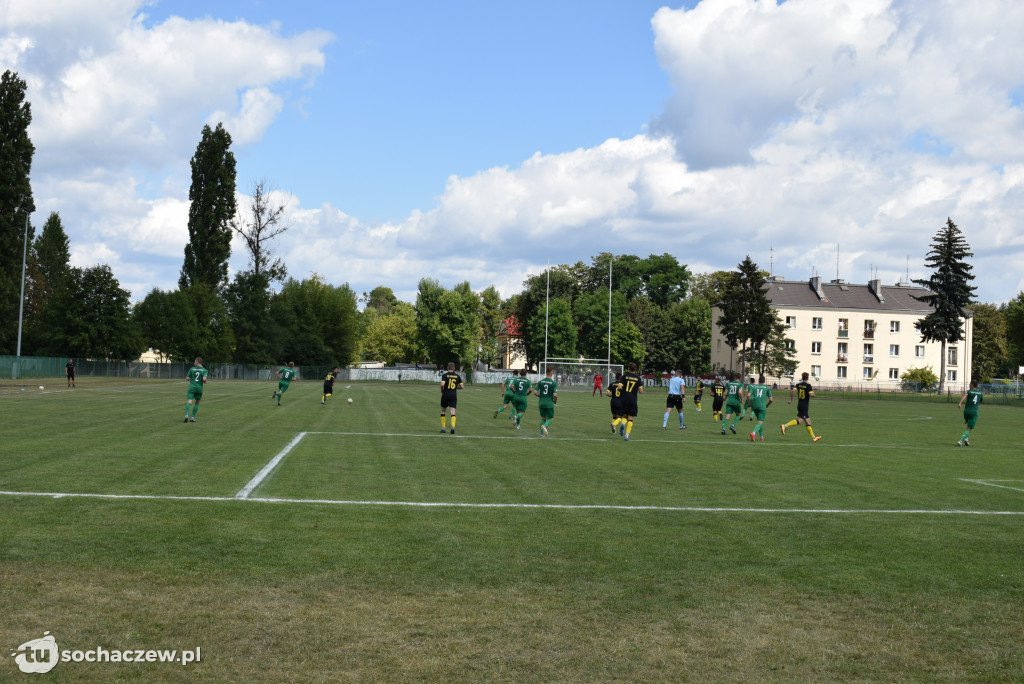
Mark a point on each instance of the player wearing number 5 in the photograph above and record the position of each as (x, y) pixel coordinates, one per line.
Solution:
(631, 387)
(451, 382)
(970, 403)
(547, 391)
(196, 379)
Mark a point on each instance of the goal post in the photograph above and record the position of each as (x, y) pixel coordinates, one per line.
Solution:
(579, 373)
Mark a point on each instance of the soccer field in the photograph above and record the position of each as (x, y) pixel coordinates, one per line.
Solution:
(354, 542)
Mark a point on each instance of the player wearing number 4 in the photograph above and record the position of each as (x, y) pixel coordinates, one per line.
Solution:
(970, 403)
(196, 379)
(547, 391)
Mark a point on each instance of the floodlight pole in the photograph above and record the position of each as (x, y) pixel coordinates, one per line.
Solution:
(608, 366)
(21, 301)
(547, 311)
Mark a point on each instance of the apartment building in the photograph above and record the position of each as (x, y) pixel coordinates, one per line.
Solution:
(844, 333)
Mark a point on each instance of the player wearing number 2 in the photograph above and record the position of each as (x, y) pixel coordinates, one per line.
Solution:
(196, 379)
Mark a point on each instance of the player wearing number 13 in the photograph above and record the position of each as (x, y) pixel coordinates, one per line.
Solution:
(196, 379)
(451, 382)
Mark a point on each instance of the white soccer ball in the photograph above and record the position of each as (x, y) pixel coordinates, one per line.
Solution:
(350, 400)
(40, 387)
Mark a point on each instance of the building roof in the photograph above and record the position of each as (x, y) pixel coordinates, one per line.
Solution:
(842, 296)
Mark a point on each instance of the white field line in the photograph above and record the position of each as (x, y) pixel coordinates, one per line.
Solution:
(992, 483)
(245, 491)
(444, 504)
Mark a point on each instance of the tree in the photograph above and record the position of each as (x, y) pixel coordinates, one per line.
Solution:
(949, 290)
(168, 324)
(392, 337)
(52, 249)
(776, 356)
(689, 336)
(247, 300)
(91, 317)
(448, 322)
(210, 214)
(747, 316)
(216, 339)
(650, 320)
(989, 348)
(556, 320)
(262, 225)
(591, 315)
(1013, 313)
(491, 317)
(317, 322)
(380, 299)
(16, 204)
(627, 344)
(710, 286)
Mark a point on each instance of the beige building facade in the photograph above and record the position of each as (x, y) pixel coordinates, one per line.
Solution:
(854, 335)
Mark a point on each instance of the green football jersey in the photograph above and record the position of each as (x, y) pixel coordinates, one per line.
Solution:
(759, 395)
(974, 399)
(545, 389)
(521, 386)
(733, 391)
(287, 374)
(196, 375)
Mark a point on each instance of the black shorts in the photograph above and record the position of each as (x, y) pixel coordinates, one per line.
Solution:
(717, 404)
(616, 407)
(328, 388)
(449, 400)
(802, 412)
(674, 401)
(628, 406)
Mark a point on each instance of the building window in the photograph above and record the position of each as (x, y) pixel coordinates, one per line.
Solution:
(844, 327)
(841, 353)
(791, 346)
(894, 350)
(816, 323)
(816, 371)
(719, 345)
(952, 356)
(894, 326)
(951, 376)
(919, 351)
(869, 353)
(869, 330)
(867, 374)
(815, 347)
(894, 373)
(790, 321)
(841, 372)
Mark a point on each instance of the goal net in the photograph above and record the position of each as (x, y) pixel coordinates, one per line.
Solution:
(579, 374)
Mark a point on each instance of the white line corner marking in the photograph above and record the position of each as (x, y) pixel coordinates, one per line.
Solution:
(245, 491)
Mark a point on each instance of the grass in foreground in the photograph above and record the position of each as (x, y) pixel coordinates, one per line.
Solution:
(741, 574)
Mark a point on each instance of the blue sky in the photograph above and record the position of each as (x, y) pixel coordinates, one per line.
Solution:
(479, 142)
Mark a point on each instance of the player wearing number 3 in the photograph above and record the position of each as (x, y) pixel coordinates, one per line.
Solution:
(547, 391)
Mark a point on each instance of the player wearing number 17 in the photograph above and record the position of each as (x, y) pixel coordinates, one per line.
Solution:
(631, 386)
(196, 379)
(547, 391)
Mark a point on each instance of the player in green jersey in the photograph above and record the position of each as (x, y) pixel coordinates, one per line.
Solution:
(285, 377)
(547, 391)
(508, 395)
(760, 397)
(196, 379)
(522, 389)
(970, 403)
(748, 408)
(734, 395)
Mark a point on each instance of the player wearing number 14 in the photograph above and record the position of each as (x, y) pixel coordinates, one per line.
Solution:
(196, 379)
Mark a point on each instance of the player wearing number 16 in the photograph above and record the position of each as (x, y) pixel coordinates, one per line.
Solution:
(451, 382)
(196, 379)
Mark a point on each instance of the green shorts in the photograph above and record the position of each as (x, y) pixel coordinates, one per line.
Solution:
(971, 419)
(733, 407)
(509, 398)
(195, 394)
(759, 413)
(546, 412)
(282, 386)
(519, 404)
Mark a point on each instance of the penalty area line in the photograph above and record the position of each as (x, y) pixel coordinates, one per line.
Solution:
(583, 507)
(245, 491)
(992, 483)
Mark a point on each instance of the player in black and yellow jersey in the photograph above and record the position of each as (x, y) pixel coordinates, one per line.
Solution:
(803, 392)
(632, 385)
(717, 399)
(329, 384)
(615, 392)
(451, 382)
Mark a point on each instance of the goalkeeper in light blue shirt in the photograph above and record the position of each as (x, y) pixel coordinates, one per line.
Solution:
(676, 396)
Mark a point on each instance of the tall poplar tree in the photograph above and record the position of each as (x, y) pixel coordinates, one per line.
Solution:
(950, 290)
(16, 151)
(212, 197)
(747, 314)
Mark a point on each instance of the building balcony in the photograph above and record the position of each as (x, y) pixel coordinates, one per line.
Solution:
(869, 333)
(841, 358)
(843, 332)
(869, 358)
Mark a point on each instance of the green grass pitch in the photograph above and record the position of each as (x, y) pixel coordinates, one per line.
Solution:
(378, 549)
